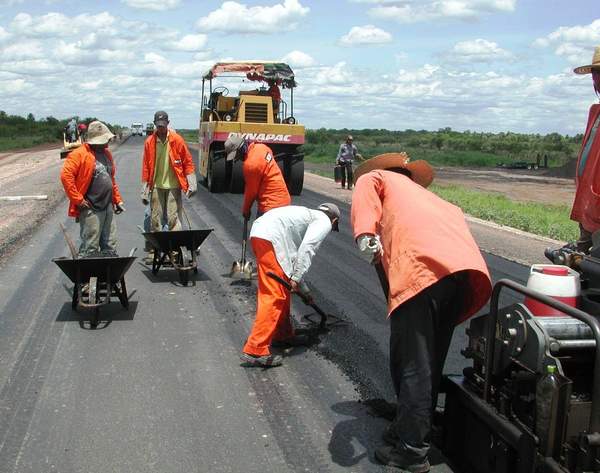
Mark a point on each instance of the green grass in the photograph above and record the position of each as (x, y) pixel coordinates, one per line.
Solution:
(23, 142)
(547, 220)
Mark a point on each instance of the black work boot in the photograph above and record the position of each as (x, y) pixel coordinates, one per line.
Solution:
(392, 457)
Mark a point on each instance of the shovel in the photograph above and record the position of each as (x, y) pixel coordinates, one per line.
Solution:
(242, 269)
(327, 320)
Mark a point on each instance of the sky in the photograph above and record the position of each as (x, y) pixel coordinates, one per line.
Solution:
(479, 65)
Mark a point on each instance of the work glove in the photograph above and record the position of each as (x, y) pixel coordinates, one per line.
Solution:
(192, 185)
(119, 208)
(145, 193)
(370, 247)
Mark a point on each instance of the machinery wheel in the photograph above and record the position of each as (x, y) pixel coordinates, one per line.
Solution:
(296, 176)
(217, 173)
(237, 178)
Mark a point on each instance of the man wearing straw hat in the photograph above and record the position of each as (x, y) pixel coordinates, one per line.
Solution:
(434, 277)
(88, 177)
(586, 206)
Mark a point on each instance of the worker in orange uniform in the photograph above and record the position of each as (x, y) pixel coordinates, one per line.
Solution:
(586, 206)
(264, 182)
(167, 170)
(284, 241)
(88, 177)
(436, 279)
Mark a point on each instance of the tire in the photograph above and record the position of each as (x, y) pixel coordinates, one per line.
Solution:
(296, 176)
(236, 185)
(217, 173)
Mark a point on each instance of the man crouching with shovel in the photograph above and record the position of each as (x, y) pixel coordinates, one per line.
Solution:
(284, 241)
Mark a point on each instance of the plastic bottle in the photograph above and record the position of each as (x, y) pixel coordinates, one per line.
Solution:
(545, 398)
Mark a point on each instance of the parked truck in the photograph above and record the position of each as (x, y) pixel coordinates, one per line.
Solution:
(260, 114)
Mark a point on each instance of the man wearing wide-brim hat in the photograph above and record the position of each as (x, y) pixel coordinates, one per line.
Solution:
(586, 206)
(88, 177)
(434, 277)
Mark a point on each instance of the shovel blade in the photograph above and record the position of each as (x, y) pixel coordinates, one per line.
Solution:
(236, 269)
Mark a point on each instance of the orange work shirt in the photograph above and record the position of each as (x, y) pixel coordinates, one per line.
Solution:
(77, 173)
(424, 238)
(180, 159)
(586, 206)
(263, 180)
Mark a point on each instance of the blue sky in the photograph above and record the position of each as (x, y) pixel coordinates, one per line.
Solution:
(482, 65)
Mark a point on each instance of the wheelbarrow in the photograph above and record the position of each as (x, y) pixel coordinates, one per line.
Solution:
(96, 280)
(178, 248)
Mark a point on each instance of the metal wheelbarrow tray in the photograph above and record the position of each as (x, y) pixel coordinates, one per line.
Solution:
(179, 248)
(96, 280)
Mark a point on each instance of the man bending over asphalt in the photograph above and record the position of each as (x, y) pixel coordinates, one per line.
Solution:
(436, 278)
(263, 180)
(284, 241)
(88, 177)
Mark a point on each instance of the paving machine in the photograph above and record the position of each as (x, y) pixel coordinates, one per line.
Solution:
(530, 402)
(258, 114)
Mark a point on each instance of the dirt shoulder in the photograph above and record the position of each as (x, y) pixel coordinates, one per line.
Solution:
(35, 171)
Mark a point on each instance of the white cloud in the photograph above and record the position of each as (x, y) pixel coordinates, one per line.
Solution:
(4, 35)
(10, 3)
(22, 51)
(298, 59)
(575, 43)
(233, 17)
(60, 25)
(363, 35)
(75, 54)
(13, 87)
(190, 42)
(478, 50)
(91, 85)
(156, 5)
(428, 10)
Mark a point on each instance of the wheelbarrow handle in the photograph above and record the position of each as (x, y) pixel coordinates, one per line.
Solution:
(302, 296)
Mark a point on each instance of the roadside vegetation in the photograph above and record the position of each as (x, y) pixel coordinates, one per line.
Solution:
(18, 132)
(541, 219)
(446, 147)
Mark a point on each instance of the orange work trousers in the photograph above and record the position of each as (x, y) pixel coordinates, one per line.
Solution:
(272, 321)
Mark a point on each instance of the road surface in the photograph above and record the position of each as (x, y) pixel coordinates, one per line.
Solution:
(160, 388)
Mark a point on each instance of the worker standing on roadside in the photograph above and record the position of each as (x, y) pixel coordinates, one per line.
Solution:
(284, 241)
(167, 170)
(586, 206)
(264, 182)
(88, 177)
(81, 130)
(435, 277)
(345, 158)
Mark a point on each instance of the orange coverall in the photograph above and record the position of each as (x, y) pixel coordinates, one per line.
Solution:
(263, 180)
(179, 158)
(273, 302)
(586, 206)
(424, 238)
(77, 173)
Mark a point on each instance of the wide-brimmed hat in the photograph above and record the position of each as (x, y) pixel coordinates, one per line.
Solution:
(98, 134)
(594, 65)
(421, 171)
(333, 211)
(232, 144)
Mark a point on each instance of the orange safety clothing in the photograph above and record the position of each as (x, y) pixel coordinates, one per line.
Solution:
(272, 321)
(586, 206)
(424, 238)
(77, 174)
(179, 158)
(263, 180)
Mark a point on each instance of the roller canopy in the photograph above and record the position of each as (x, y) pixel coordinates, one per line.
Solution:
(261, 71)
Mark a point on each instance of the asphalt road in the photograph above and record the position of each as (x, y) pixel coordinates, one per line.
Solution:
(160, 388)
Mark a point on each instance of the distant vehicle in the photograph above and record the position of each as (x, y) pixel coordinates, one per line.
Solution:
(149, 129)
(137, 129)
(518, 165)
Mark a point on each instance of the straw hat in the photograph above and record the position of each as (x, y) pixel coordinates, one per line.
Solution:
(421, 171)
(98, 134)
(594, 65)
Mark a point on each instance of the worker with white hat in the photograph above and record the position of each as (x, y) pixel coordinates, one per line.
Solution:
(88, 177)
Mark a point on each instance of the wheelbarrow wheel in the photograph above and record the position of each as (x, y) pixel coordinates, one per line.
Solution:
(95, 320)
(75, 300)
(184, 276)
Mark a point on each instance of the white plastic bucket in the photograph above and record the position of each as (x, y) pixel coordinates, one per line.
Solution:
(559, 282)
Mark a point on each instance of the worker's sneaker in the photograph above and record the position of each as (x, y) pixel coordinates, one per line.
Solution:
(298, 340)
(392, 457)
(149, 258)
(264, 361)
